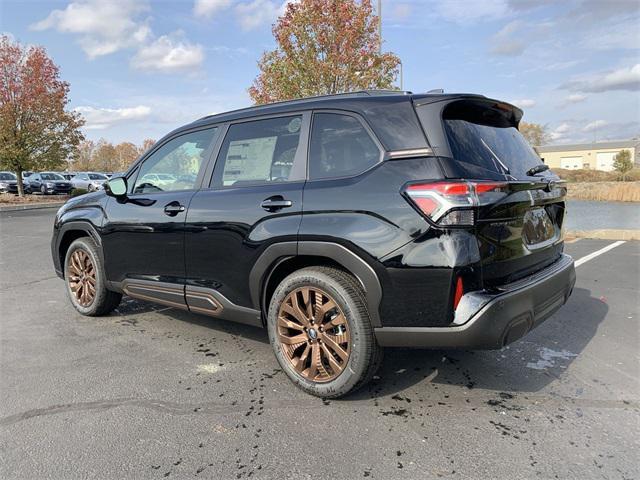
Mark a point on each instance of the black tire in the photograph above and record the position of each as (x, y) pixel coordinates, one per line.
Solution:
(104, 300)
(90, 189)
(43, 190)
(365, 354)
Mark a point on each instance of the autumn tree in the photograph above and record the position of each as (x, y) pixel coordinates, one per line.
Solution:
(324, 47)
(126, 154)
(104, 157)
(82, 156)
(36, 130)
(622, 163)
(146, 145)
(535, 133)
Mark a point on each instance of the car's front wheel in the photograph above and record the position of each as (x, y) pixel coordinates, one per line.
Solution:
(43, 190)
(321, 333)
(86, 280)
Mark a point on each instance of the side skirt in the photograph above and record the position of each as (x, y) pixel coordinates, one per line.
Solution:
(195, 299)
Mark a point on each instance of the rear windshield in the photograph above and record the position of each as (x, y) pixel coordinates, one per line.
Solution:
(97, 176)
(485, 139)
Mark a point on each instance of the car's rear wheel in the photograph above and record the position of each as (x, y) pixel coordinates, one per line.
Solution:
(321, 333)
(86, 281)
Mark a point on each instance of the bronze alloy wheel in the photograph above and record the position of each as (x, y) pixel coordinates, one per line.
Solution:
(314, 334)
(82, 278)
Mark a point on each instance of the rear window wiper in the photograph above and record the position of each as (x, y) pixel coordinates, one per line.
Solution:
(504, 167)
(537, 169)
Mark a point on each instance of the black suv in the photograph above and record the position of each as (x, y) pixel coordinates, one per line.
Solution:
(342, 224)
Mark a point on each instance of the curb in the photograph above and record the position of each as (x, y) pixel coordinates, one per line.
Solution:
(26, 206)
(605, 234)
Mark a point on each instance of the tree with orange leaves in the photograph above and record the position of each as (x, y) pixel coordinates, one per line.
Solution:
(324, 47)
(36, 130)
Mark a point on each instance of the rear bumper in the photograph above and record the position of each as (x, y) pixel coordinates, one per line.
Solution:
(491, 320)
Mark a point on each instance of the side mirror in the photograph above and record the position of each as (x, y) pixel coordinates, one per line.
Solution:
(116, 187)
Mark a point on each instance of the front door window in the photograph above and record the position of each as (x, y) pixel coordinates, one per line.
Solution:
(176, 164)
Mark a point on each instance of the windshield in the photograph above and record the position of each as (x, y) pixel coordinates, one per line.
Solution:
(485, 140)
(51, 176)
(7, 176)
(97, 176)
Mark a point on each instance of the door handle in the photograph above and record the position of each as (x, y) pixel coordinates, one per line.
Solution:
(272, 204)
(173, 208)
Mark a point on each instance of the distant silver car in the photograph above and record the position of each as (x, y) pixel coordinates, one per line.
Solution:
(90, 181)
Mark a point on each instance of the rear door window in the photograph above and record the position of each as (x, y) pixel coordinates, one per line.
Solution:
(483, 136)
(340, 146)
(259, 152)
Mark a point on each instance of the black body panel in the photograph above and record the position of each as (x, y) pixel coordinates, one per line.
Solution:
(140, 240)
(219, 254)
(227, 230)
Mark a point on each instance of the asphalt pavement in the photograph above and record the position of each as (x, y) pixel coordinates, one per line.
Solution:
(153, 392)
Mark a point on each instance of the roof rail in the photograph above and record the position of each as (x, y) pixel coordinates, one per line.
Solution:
(359, 93)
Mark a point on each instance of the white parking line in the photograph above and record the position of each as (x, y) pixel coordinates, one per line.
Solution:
(593, 255)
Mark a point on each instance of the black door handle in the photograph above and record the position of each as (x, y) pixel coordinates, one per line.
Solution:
(173, 208)
(277, 202)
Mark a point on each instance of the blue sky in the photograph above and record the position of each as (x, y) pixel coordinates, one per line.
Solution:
(139, 68)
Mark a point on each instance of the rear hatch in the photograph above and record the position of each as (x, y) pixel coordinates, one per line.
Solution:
(518, 213)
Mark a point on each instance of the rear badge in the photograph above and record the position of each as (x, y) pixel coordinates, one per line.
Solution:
(537, 227)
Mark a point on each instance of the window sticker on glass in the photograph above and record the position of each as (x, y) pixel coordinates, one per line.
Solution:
(245, 159)
(294, 125)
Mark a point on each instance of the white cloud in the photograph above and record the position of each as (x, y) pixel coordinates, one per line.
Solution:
(560, 131)
(626, 78)
(259, 12)
(576, 98)
(524, 103)
(101, 118)
(509, 41)
(208, 8)
(590, 127)
(168, 53)
(105, 26)
(465, 11)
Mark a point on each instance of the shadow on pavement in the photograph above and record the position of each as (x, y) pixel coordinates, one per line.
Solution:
(527, 365)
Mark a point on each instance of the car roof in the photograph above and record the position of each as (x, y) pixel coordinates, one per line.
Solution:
(389, 113)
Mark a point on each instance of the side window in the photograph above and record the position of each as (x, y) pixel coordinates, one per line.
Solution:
(258, 152)
(176, 164)
(340, 146)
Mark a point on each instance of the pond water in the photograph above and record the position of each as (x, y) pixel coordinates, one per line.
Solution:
(588, 215)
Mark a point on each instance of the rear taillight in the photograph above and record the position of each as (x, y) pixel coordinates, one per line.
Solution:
(459, 291)
(453, 203)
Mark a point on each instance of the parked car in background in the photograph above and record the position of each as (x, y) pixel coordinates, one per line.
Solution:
(90, 181)
(68, 175)
(8, 182)
(159, 180)
(49, 183)
(427, 221)
(25, 181)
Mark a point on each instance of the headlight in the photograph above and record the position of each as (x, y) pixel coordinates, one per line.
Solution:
(50, 185)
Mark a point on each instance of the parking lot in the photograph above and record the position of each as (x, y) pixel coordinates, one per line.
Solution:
(153, 392)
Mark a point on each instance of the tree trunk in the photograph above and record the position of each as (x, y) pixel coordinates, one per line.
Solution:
(20, 185)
